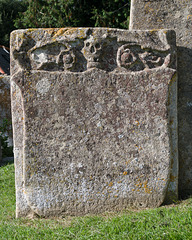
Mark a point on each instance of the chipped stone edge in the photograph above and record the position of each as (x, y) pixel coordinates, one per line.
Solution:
(22, 207)
(172, 190)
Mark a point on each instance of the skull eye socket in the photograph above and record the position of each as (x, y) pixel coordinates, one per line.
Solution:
(87, 44)
(92, 50)
(97, 45)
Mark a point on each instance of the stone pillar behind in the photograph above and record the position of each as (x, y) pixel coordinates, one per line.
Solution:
(177, 15)
(91, 111)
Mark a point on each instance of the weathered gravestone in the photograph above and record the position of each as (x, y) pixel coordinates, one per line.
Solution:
(177, 15)
(94, 119)
(5, 108)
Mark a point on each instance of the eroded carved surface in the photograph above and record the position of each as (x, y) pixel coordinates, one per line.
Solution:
(133, 58)
(91, 51)
(53, 57)
(92, 135)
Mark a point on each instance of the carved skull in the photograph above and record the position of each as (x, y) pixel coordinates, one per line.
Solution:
(92, 51)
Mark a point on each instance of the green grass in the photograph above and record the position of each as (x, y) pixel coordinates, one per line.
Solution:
(172, 222)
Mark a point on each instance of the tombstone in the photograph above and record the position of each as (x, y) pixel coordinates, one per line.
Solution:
(5, 107)
(177, 15)
(94, 119)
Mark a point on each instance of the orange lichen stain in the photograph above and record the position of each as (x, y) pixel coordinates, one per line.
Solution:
(133, 190)
(145, 184)
(70, 31)
(116, 196)
(82, 33)
(189, 16)
(153, 30)
(139, 185)
(137, 123)
(91, 177)
(147, 190)
(125, 173)
(172, 178)
(110, 184)
(119, 182)
(60, 32)
(139, 148)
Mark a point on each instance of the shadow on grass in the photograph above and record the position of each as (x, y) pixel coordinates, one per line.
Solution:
(6, 161)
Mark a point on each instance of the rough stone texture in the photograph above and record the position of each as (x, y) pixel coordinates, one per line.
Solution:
(177, 15)
(94, 119)
(5, 105)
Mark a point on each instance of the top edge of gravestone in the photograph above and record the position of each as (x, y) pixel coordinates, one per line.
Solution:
(166, 37)
(65, 29)
(47, 48)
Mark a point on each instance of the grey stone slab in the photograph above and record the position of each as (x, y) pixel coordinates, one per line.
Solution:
(5, 106)
(177, 15)
(94, 119)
